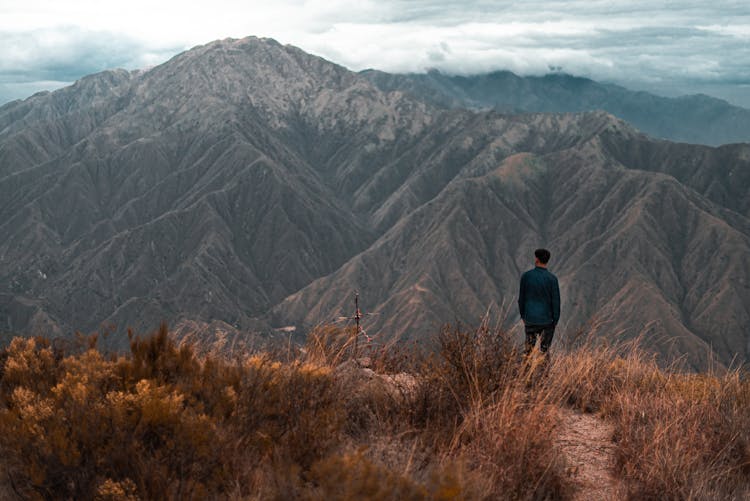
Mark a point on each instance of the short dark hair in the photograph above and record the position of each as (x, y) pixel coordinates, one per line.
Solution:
(542, 255)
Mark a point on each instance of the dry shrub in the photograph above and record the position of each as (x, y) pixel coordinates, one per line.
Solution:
(29, 363)
(588, 377)
(479, 404)
(475, 363)
(373, 403)
(688, 438)
(329, 345)
(679, 435)
(467, 371)
(160, 423)
(70, 427)
(471, 420)
(481, 433)
(510, 445)
(289, 411)
(109, 490)
(353, 476)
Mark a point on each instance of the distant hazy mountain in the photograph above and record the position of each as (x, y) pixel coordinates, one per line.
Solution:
(244, 185)
(694, 119)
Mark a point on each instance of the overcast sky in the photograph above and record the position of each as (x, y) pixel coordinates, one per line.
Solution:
(669, 47)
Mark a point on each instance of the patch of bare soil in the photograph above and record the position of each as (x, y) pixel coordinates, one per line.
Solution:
(586, 442)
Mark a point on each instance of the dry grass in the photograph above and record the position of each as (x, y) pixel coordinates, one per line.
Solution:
(684, 436)
(678, 435)
(468, 420)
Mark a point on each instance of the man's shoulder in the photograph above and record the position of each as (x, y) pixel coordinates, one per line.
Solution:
(536, 270)
(527, 273)
(550, 274)
(544, 273)
(539, 272)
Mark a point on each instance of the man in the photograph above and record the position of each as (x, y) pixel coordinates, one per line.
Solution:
(539, 302)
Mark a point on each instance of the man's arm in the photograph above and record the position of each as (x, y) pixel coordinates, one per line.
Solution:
(522, 296)
(555, 302)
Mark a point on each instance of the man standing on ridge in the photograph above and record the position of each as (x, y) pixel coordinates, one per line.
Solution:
(539, 302)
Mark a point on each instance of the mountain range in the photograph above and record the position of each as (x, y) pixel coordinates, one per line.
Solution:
(245, 186)
(698, 118)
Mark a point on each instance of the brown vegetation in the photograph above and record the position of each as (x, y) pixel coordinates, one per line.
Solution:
(469, 420)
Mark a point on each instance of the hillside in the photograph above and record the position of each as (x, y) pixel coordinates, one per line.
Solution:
(696, 118)
(471, 420)
(244, 186)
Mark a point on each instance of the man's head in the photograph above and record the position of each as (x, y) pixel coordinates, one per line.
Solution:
(542, 257)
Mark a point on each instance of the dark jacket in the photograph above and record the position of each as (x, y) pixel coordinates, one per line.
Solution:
(539, 297)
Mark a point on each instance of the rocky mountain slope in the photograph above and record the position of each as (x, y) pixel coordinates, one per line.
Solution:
(697, 118)
(244, 186)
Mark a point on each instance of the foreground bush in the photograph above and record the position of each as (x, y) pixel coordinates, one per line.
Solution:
(158, 424)
(679, 435)
(685, 438)
(469, 419)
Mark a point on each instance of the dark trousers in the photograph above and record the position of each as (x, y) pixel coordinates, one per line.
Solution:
(532, 331)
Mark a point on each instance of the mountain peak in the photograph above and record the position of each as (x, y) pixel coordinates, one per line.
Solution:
(253, 70)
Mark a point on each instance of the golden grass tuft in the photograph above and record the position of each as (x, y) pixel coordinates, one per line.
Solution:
(470, 419)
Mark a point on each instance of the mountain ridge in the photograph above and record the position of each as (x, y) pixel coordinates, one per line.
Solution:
(696, 118)
(248, 185)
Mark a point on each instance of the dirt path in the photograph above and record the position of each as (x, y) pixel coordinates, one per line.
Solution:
(587, 444)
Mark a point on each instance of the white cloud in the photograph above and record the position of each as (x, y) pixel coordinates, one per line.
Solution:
(70, 52)
(739, 30)
(676, 45)
(21, 90)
